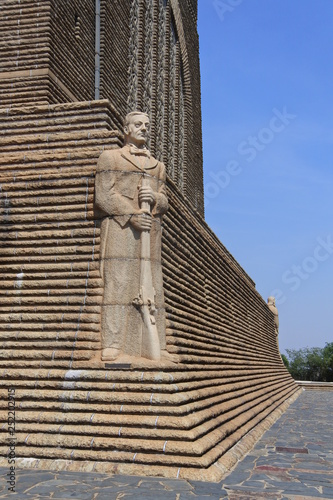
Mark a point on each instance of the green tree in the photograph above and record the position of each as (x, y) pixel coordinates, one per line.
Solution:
(285, 361)
(328, 361)
(297, 363)
(315, 369)
(313, 364)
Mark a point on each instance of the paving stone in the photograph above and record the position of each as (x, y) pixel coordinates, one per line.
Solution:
(74, 494)
(61, 490)
(24, 483)
(323, 467)
(201, 488)
(328, 492)
(250, 495)
(108, 494)
(114, 489)
(43, 476)
(238, 476)
(258, 485)
(77, 476)
(188, 495)
(224, 494)
(177, 485)
(40, 490)
(308, 477)
(158, 486)
(19, 496)
(111, 482)
(292, 488)
(314, 447)
(262, 477)
(149, 495)
(122, 480)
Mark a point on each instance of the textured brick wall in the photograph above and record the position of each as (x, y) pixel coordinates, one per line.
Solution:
(73, 46)
(187, 31)
(115, 34)
(24, 35)
(51, 288)
(43, 42)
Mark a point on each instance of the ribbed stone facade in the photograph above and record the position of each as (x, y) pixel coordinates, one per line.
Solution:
(72, 410)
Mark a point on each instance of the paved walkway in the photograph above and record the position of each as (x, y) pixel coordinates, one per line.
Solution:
(292, 461)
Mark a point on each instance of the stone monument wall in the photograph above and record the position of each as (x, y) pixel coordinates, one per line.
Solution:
(72, 46)
(72, 410)
(24, 56)
(115, 53)
(51, 290)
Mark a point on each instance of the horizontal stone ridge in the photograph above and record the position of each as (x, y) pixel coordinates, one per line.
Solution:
(54, 118)
(315, 386)
(183, 419)
(25, 35)
(51, 286)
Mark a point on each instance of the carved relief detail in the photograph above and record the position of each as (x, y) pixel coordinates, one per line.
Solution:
(161, 70)
(273, 308)
(156, 82)
(148, 67)
(172, 102)
(181, 137)
(134, 55)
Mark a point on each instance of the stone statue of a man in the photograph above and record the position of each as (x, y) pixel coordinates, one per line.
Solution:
(131, 198)
(273, 308)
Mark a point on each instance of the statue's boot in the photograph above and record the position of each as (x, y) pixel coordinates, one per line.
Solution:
(110, 354)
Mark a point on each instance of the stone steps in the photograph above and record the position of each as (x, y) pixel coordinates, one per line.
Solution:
(46, 300)
(69, 333)
(31, 8)
(148, 440)
(55, 140)
(315, 386)
(198, 446)
(127, 394)
(58, 118)
(36, 90)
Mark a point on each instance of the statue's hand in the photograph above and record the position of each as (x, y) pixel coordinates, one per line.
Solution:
(141, 221)
(147, 194)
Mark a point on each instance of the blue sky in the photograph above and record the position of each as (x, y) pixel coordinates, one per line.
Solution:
(267, 87)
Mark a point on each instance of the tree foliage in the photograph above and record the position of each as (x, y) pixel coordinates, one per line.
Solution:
(285, 361)
(313, 364)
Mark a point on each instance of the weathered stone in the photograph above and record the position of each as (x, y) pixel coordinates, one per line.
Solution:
(273, 308)
(131, 193)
